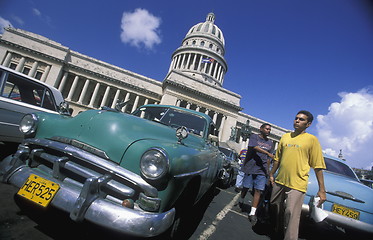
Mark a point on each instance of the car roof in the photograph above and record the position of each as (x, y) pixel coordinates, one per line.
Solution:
(335, 158)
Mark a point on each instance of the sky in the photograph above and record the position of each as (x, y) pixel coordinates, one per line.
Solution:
(283, 55)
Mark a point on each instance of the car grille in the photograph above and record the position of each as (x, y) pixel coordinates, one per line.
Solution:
(95, 175)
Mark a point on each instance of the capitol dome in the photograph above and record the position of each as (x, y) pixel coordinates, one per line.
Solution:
(201, 54)
(207, 27)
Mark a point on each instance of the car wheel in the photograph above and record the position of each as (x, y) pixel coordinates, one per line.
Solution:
(184, 207)
(226, 183)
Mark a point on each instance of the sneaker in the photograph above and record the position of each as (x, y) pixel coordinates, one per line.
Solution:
(253, 219)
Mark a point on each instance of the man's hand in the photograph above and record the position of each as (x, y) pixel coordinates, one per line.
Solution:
(271, 179)
(322, 196)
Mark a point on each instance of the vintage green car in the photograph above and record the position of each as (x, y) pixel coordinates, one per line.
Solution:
(137, 173)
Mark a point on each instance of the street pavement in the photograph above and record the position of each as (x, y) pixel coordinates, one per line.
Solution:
(217, 217)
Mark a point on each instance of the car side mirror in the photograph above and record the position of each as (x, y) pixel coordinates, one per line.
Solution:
(64, 108)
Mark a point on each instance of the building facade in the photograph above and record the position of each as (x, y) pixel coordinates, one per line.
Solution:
(194, 80)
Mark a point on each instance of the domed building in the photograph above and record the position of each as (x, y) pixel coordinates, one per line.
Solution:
(194, 80)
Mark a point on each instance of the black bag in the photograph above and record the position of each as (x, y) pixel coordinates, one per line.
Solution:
(262, 211)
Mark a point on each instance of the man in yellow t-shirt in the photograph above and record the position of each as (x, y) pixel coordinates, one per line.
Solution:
(297, 152)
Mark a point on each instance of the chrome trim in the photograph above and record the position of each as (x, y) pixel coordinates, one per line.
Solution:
(81, 204)
(345, 196)
(191, 173)
(90, 159)
(342, 221)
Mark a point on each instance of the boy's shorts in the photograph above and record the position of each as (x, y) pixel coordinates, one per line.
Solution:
(254, 181)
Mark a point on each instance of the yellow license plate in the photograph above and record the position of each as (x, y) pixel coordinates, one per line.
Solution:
(38, 190)
(344, 211)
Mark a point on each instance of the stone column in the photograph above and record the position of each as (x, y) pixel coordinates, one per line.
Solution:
(84, 91)
(106, 94)
(33, 69)
(72, 89)
(216, 68)
(45, 74)
(115, 98)
(188, 105)
(200, 62)
(93, 98)
(126, 99)
(63, 81)
(188, 60)
(7, 60)
(215, 117)
(135, 103)
(221, 127)
(194, 61)
(20, 65)
(183, 61)
(143, 113)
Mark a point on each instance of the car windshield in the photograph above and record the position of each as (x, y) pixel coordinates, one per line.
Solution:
(339, 168)
(174, 118)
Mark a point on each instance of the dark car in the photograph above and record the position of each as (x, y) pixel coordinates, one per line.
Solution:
(231, 166)
(137, 174)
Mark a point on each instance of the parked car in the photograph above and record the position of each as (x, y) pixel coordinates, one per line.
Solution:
(349, 203)
(137, 174)
(231, 166)
(21, 94)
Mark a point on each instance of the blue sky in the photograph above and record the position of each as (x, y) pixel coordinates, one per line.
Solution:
(282, 55)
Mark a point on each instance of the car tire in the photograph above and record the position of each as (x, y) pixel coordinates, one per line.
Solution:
(226, 183)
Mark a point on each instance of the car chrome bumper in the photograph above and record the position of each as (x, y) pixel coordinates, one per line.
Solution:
(101, 211)
(342, 221)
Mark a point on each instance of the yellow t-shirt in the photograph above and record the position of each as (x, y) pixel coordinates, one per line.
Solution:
(297, 155)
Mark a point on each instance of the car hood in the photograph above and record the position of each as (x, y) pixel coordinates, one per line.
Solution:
(343, 190)
(111, 132)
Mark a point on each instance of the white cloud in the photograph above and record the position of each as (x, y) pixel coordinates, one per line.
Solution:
(3, 24)
(349, 126)
(36, 12)
(140, 27)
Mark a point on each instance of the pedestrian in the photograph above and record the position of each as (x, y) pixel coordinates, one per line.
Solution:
(240, 173)
(297, 152)
(256, 167)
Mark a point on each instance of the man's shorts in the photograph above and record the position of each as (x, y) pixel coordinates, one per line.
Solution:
(254, 181)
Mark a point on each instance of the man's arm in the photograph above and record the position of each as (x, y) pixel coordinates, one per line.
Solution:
(273, 171)
(320, 180)
(258, 149)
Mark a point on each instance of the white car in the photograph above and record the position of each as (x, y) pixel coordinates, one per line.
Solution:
(21, 94)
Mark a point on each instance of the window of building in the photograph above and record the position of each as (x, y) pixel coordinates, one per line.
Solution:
(202, 43)
(38, 75)
(26, 70)
(13, 66)
(210, 46)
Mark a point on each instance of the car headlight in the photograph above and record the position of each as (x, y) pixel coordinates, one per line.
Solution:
(28, 124)
(154, 163)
